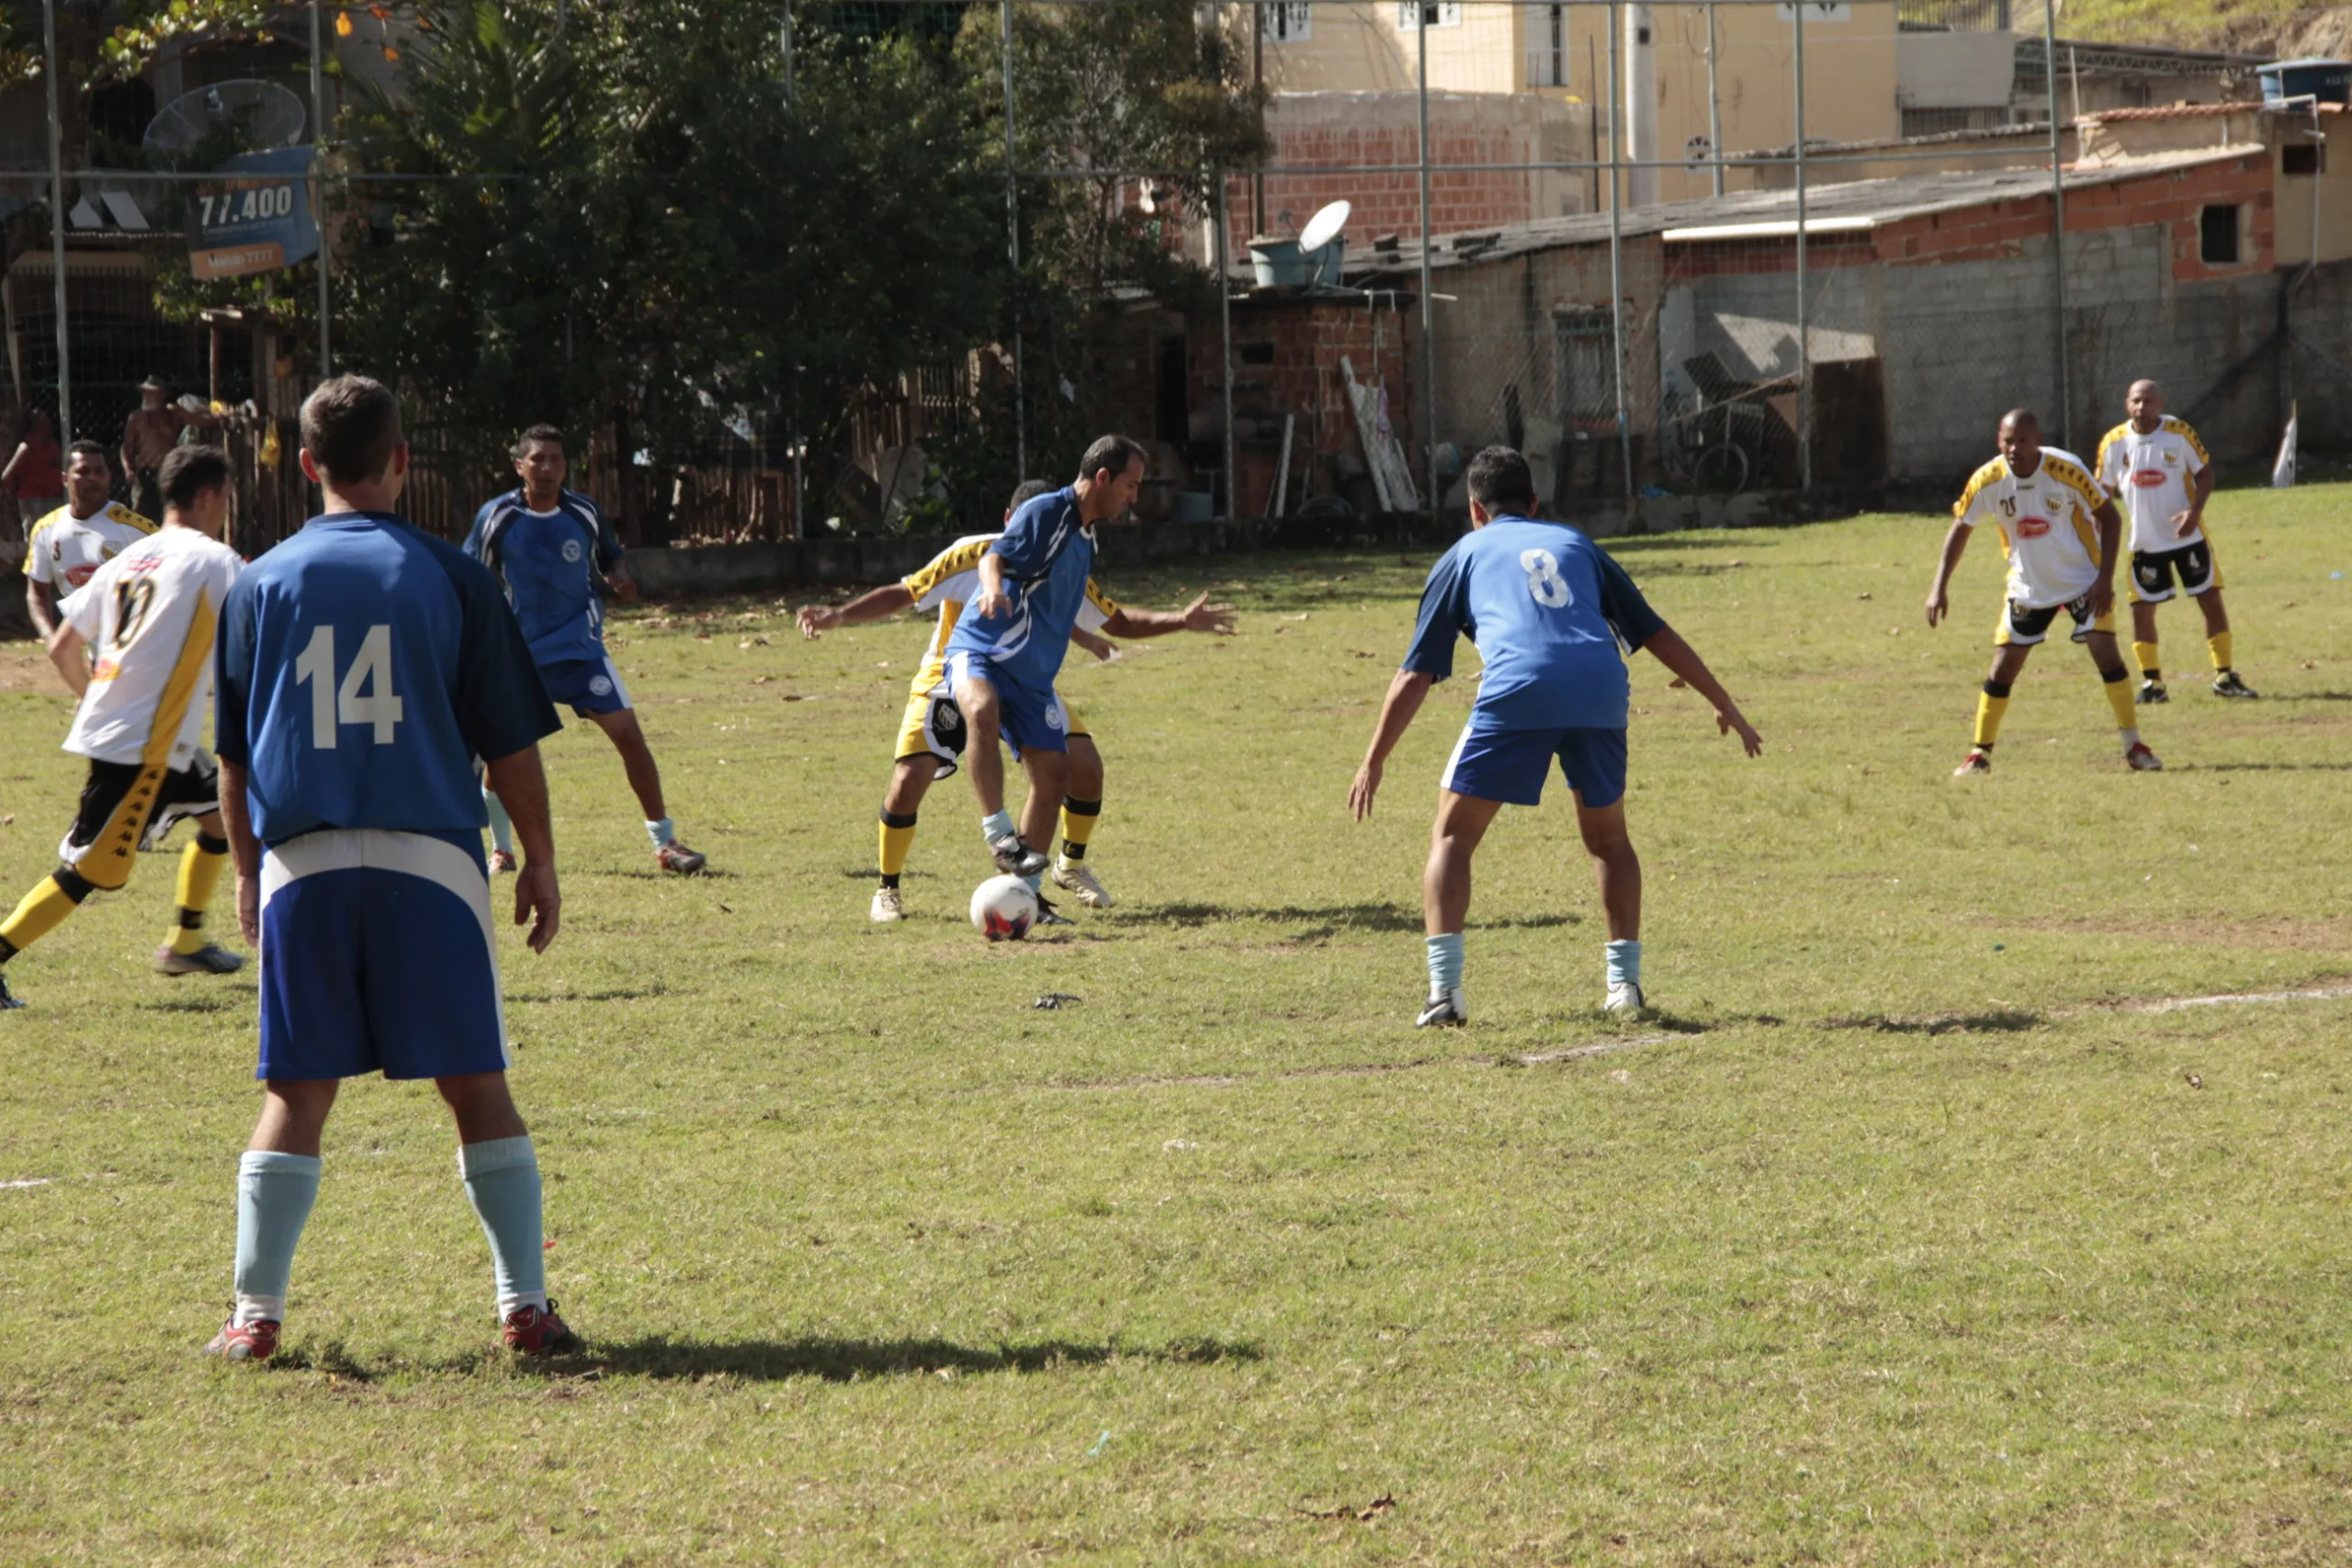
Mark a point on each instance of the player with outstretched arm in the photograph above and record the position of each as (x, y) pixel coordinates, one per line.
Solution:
(363, 668)
(1549, 612)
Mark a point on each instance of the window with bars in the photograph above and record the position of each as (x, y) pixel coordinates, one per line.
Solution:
(1548, 45)
(1413, 13)
(1285, 21)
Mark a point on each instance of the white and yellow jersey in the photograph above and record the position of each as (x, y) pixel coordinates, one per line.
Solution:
(149, 616)
(2047, 527)
(2150, 477)
(64, 551)
(948, 581)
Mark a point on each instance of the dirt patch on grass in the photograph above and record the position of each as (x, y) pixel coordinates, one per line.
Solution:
(2270, 932)
(25, 668)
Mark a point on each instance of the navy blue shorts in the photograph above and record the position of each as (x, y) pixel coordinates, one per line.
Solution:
(1030, 720)
(1511, 765)
(590, 685)
(378, 955)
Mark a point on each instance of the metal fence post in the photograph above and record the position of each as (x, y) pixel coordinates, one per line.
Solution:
(57, 227)
(1225, 344)
(319, 192)
(1428, 305)
(2058, 224)
(1617, 249)
(1714, 103)
(1013, 247)
(1805, 334)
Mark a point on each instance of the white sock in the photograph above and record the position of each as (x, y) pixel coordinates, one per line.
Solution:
(2131, 737)
(259, 1308)
(661, 832)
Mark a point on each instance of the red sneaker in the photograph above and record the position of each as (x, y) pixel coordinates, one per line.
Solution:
(674, 856)
(1978, 762)
(257, 1341)
(2140, 759)
(536, 1331)
(501, 860)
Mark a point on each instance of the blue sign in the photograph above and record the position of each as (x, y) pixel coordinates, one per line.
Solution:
(255, 216)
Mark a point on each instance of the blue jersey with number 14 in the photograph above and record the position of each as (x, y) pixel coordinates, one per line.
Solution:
(362, 667)
(1549, 611)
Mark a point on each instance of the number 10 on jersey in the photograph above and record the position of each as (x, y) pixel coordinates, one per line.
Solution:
(364, 696)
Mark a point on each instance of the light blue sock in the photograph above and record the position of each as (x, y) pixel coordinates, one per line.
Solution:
(502, 1177)
(1445, 962)
(661, 832)
(275, 1192)
(1624, 963)
(995, 825)
(1035, 883)
(502, 827)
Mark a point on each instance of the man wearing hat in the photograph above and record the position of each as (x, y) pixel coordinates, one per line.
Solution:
(148, 437)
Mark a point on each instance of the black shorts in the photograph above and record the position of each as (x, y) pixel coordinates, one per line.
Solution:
(2024, 627)
(2153, 572)
(117, 814)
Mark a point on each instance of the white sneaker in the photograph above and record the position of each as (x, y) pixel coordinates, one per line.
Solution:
(1447, 1009)
(886, 907)
(1079, 877)
(1625, 998)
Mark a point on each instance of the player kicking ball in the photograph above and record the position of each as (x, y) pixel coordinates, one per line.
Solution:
(363, 666)
(2061, 534)
(149, 613)
(2157, 465)
(1549, 612)
(549, 545)
(1031, 583)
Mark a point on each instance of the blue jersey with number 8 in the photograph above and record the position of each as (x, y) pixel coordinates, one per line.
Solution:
(362, 666)
(1550, 612)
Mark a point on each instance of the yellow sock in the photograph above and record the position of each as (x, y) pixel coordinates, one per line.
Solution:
(2218, 645)
(1992, 704)
(897, 841)
(2145, 653)
(2119, 697)
(1078, 817)
(40, 912)
(200, 865)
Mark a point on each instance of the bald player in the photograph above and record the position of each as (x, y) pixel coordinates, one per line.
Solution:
(2156, 467)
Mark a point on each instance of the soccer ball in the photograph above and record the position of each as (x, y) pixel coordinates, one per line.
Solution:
(1003, 908)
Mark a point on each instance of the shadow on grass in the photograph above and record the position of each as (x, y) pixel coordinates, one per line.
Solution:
(1329, 918)
(849, 1360)
(617, 994)
(2265, 768)
(870, 874)
(1950, 1023)
(213, 1002)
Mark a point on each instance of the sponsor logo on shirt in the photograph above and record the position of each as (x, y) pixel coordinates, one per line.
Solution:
(2148, 478)
(78, 575)
(2032, 528)
(105, 669)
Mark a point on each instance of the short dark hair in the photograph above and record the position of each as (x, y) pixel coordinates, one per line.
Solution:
(1027, 491)
(1500, 476)
(2021, 417)
(539, 433)
(188, 471)
(1111, 452)
(89, 449)
(350, 427)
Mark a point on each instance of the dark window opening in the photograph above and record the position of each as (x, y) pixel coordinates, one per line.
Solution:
(2302, 158)
(1255, 353)
(2217, 236)
(1172, 408)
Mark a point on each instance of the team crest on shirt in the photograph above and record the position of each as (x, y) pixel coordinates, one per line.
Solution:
(2032, 528)
(2172, 457)
(571, 551)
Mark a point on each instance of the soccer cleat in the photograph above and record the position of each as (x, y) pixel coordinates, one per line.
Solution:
(2227, 685)
(502, 860)
(1014, 858)
(886, 907)
(674, 856)
(255, 1341)
(1447, 1009)
(1080, 878)
(537, 1331)
(2140, 759)
(1979, 761)
(1625, 999)
(8, 1001)
(209, 959)
(1049, 916)
(2152, 692)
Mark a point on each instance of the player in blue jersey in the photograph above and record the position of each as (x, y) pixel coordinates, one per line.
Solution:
(1010, 642)
(549, 545)
(363, 666)
(1549, 612)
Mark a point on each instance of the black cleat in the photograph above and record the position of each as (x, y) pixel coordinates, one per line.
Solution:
(1016, 859)
(1448, 1009)
(7, 1000)
(2152, 692)
(2227, 685)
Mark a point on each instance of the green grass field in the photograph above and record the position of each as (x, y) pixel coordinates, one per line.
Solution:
(1919, 1228)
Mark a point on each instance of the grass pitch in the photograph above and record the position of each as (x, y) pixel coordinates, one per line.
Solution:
(1920, 1228)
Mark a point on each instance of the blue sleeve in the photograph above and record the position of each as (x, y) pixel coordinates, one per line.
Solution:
(501, 704)
(1622, 607)
(1446, 615)
(609, 548)
(1027, 544)
(232, 675)
(477, 543)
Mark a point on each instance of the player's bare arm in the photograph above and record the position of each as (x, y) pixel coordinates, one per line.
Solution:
(876, 605)
(1200, 616)
(2110, 546)
(37, 606)
(2200, 491)
(1667, 645)
(1406, 692)
(991, 600)
(244, 849)
(1096, 645)
(521, 787)
(65, 652)
(1955, 546)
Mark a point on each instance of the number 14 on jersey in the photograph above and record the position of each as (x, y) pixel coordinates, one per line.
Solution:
(365, 694)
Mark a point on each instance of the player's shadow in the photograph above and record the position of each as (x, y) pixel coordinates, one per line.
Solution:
(2265, 768)
(1329, 918)
(852, 1360)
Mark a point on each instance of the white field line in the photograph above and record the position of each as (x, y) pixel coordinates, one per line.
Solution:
(31, 1182)
(2177, 1004)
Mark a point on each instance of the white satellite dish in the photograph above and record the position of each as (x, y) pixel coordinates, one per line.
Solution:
(1324, 227)
(258, 114)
